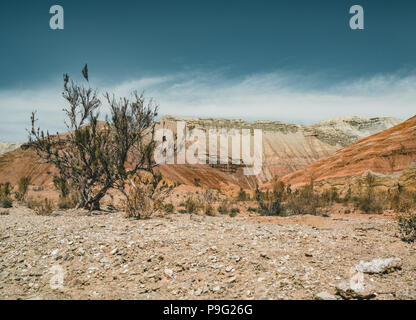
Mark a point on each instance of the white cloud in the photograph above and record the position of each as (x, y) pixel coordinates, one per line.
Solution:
(273, 96)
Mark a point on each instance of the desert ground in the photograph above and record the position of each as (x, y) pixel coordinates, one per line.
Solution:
(102, 255)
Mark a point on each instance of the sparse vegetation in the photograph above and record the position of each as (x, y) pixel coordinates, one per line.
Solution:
(209, 210)
(169, 208)
(191, 205)
(197, 182)
(22, 189)
(146, 196)
(234, 212)
(242, 195)
(41, 207)
(93, 154)
(369, 201)
(407, 226)
(5, 192)
(224, 207)
(4, 212)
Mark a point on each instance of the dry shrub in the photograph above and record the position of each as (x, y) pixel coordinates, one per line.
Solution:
(369, 201)
(41, 207)
(139, 205)
(22, 188)
(224, 207)
(146, 196)
(269, 203)
(303, 201)
(403, 201)
(242, 195)
(407, 226)
(6, 202)
(169, 208)
(209, 210)
(234, 212)
(208, 197)
(192, 205)
(68, 202)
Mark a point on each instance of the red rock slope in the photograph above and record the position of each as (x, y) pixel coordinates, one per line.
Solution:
(389, 154)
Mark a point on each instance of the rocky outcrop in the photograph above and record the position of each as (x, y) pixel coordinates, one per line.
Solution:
(8, 146)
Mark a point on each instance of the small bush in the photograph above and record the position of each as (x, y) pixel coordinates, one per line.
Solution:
(407, 226)
(68, 202)
(403, 201)
(209, 210)
(5, 199)
(242, 195)
(4, 213)
(42, 208)
(197, 182)
(269, 204)
(234, 212)
(251, 209)
(224, 207)
(5, 189)
(182, 211)
(138, 205)
(6, 202)
(169, 208)
(23, 187)
(368, 201)
(191, 205)
(303, 201)
(62, 186)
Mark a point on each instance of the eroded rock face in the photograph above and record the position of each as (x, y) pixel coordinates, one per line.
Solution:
(287, 147)
(389, 155)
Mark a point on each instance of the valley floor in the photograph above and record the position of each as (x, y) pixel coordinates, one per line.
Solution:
(78, 256)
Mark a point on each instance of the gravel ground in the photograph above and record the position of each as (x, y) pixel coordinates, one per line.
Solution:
(76, 255)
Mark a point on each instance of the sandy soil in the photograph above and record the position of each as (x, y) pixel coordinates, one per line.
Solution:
(77, 255)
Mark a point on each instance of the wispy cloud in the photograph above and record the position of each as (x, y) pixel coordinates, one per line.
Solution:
(272, 96)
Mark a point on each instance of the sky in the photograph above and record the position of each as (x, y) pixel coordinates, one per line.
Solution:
(293, 61)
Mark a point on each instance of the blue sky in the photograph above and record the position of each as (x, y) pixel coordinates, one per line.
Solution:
(292, 60)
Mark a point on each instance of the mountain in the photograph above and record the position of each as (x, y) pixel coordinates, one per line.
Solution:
(287, 147)
(389, 155)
